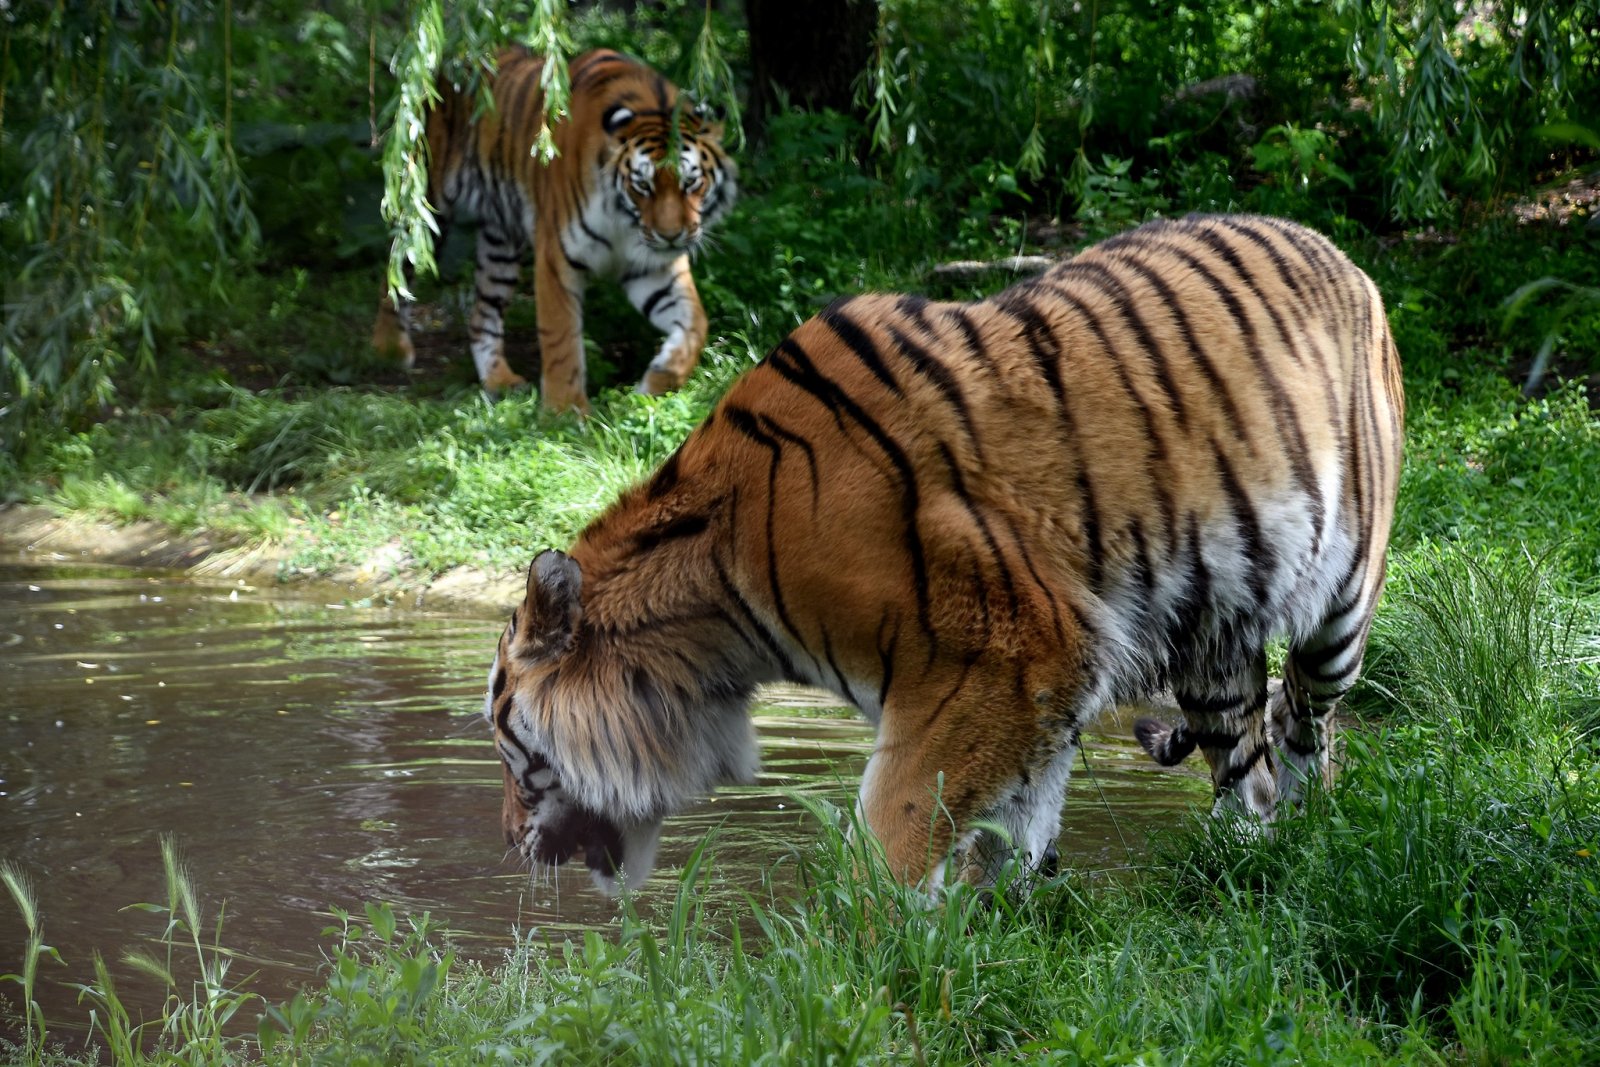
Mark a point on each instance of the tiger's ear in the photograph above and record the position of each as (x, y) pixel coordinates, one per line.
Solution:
(550, 610)
(712, 119)
(616, 116)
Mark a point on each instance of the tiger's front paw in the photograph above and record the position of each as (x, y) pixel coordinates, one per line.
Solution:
(658, 381)
(501, 378)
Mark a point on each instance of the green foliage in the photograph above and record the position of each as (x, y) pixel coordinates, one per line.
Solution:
(379, 1004)
(123, 195)
(1576, 300)
(1458, 96)
(34, 949)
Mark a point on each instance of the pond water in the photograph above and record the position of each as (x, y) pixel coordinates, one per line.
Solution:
(310, 755)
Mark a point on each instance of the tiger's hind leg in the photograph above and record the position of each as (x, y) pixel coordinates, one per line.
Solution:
(499, 262)
(1225, 717)
(1319, 671)
(391, 332)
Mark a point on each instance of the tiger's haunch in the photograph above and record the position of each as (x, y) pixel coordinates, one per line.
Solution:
(981, 524)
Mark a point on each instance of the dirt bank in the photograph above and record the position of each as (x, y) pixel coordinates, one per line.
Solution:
(38, 534)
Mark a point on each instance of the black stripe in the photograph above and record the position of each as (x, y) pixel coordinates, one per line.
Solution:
(1091, 530)
(958, 486)
(1319, 657)
(915, 308)
(665, 479)
(1210, 704)
(858, 342)
(745, 423)
(1042, 344)
(924, 363)
(575, 264)
(1145, 573)
(791, 361)
(1299, 749)
(938, 709)
(1213, 739)
(1237, 774)
(789, 437)
(686, 526)
(1262, 560)
(767, 640)
(654, 298)
(974, 339)
(886, 659)
(833, 664)
(587, 232)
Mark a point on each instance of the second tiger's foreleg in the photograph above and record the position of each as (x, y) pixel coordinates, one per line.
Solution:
(668, 298)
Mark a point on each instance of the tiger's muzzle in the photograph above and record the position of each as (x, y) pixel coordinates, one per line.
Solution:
(547, 830)
(552, 842)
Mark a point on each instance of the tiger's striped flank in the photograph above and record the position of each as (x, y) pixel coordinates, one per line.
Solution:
(614, 203)
(982, 524)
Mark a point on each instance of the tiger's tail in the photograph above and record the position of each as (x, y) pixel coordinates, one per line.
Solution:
(1167, 745)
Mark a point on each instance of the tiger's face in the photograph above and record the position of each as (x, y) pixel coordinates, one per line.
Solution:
(596, 748)
(670, 204)
(544, 819)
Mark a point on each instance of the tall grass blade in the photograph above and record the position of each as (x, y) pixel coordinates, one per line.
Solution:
(22, 894)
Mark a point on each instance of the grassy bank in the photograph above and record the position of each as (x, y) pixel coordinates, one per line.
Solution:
(1438, 905)
(273, 424)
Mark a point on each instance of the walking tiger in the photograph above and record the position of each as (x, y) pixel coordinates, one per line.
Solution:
(982, 524)
(616, 201)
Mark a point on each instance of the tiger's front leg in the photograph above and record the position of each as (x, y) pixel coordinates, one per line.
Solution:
(1003, 765)
(558, 286)
(670, 301)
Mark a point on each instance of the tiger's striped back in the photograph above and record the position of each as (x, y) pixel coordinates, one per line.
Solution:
(982, 523)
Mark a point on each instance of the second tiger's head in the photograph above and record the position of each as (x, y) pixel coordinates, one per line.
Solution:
(673, 188)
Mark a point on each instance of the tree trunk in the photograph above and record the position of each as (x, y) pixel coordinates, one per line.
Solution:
(811, 53)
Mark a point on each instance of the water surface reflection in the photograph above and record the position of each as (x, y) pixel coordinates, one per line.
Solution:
(310, 755)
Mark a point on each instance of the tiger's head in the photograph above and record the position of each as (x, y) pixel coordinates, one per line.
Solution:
(669, 202)
(599, 740)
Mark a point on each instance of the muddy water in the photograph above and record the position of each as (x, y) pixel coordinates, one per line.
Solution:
(309, 755)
